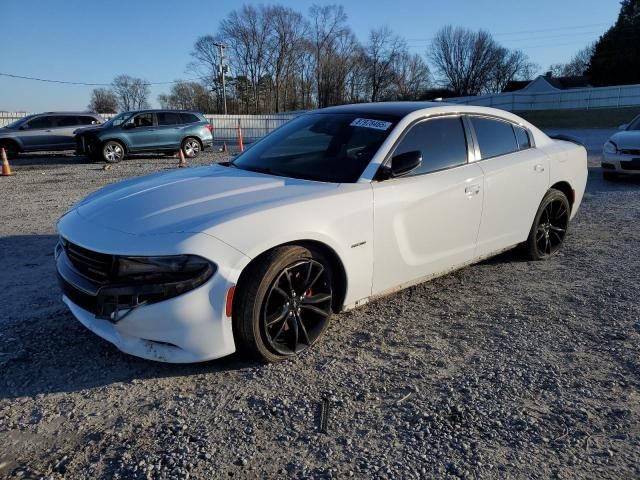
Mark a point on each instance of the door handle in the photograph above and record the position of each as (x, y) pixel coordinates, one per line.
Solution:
(538, 168)
(473, 189)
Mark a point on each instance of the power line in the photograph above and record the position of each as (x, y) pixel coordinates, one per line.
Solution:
(87, 84)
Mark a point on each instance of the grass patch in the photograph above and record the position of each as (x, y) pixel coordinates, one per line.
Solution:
(593, 118)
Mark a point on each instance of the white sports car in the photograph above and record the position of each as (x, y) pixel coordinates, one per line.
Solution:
(334, 208)
(621, 153)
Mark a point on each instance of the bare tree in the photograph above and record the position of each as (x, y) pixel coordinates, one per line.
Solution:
(206, 64)
(577, 66)
(188, 96)
(411, 77)
(511, 65)
(246, 31)
(287, 41)
(464, 59)
(331, 39)
(132, 93)
(380, 54)
(103, 100)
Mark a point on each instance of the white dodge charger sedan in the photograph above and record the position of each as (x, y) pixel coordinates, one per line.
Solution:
(335, 208)
(621, 153)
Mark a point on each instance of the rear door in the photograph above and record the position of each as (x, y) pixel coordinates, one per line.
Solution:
(516, 177)
(427, 222)
(170, 128)
(63, 131)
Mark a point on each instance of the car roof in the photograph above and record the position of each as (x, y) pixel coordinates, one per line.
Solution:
(156, 110)
(65, 113)
(382, 108)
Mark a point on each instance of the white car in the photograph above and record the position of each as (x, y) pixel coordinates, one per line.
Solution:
(621, 153)
(334, 208)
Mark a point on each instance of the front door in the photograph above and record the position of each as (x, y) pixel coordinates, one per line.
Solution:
(144, 134)
(427, 222)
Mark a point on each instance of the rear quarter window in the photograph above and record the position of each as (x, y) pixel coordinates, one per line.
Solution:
(190, 118)
(495, 137)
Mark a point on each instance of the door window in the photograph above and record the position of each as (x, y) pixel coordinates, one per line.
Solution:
(522, 136)
(442, 142)
(40, 122)
(143, 120)
(495, 137)
(168, 118)
(69, 121)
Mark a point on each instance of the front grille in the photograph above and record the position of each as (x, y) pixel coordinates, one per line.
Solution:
(80, 298)
(631, 165)
(633, 151)
(93, 265)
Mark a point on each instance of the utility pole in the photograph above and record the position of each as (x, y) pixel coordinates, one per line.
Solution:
(223, 72)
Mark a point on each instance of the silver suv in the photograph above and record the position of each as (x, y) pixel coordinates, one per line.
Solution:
(45, 131)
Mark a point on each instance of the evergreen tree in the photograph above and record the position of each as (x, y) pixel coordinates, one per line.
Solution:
(616, 56)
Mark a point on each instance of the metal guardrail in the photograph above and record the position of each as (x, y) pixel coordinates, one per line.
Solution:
(579, 98)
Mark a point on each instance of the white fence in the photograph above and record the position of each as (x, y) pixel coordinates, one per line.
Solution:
(579, 98)
(225, 126)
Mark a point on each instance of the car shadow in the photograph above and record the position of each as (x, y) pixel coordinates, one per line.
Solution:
(596, 183)
(44, 349)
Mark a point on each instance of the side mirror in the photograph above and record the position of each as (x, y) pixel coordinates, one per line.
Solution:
(623, 126)
(129, 125)
(405, 163)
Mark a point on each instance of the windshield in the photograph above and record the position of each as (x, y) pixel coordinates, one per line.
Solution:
(635, 124)
(327, 147)
(118, 119)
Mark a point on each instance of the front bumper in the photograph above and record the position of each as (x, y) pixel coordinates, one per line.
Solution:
(191, 327)
(620, 163)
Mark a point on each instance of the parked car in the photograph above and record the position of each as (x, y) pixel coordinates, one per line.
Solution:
(621, 153)
(146, 131)
(45, 131)
(336, 207)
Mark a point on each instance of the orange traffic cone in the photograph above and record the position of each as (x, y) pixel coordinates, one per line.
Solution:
(240, 144)
(182, 162)
(6, 168)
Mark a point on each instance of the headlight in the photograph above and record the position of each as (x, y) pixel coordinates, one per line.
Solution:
(142, 280)
(610, 147)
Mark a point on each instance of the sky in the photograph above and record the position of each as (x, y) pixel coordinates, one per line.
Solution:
(93, 41)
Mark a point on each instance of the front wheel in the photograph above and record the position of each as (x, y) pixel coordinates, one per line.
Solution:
(112, 151)
(549, 227)
(284, 303)
(191, 147)
(10, 148)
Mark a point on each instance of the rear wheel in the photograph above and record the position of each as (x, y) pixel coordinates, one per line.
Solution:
(112, 152)
(284, 303)
(191, 147)
(549, 227)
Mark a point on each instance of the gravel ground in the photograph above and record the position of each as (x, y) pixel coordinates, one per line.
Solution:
(505, 369)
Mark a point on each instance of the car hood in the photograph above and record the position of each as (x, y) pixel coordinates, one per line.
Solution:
(87, 129)
(191, 200)
(627, 139)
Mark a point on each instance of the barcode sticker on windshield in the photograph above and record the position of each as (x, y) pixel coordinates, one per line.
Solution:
(369, 123)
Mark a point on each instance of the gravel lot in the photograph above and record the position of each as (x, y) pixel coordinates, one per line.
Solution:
(506, 369)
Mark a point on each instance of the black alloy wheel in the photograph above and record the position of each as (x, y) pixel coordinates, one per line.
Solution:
(550, 226)
(297, 307)
(283, 303)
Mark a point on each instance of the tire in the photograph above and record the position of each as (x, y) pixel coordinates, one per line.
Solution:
(191, 147)
(550, 225)
(272, 324)
(610, 176)
(11, 148)
(112, 151)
